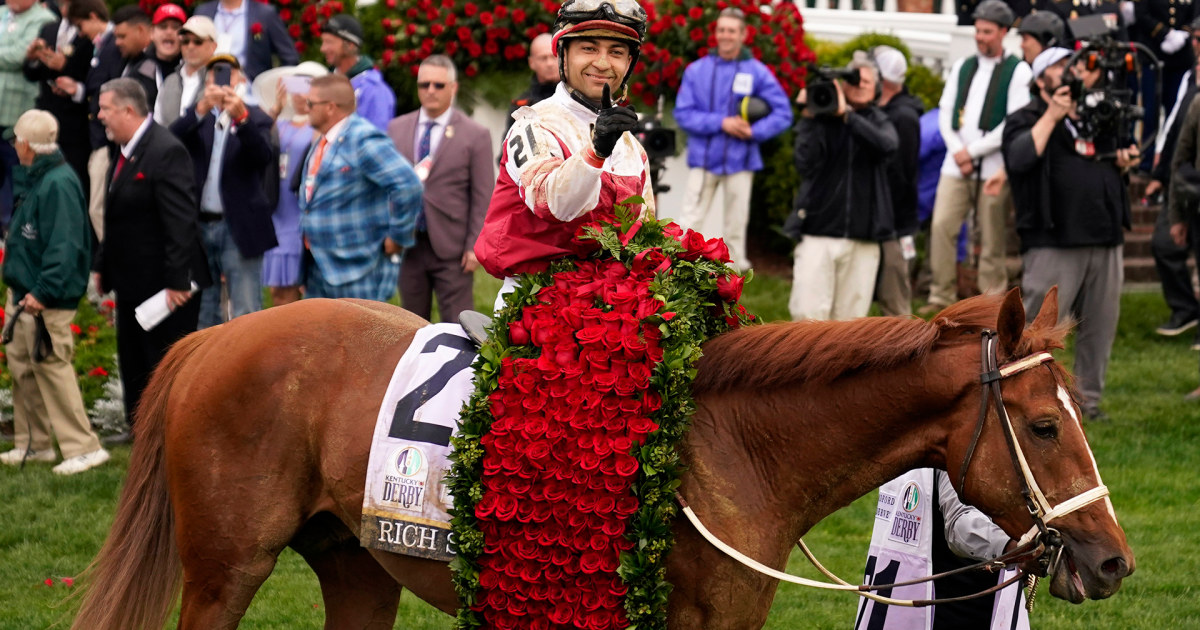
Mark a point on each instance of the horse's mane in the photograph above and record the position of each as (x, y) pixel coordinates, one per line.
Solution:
(776, 354)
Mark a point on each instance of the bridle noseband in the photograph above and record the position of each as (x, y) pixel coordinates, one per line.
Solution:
(1035, 501)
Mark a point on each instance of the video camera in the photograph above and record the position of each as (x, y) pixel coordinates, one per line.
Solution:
(822, 99)
(1107, 110)
(659, 143)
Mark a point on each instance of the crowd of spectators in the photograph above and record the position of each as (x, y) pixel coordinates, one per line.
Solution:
(214, 165)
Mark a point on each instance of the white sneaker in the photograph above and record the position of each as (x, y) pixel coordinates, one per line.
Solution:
(17, 455)
(80, 463)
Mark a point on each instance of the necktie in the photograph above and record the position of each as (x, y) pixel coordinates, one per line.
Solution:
(313, 167)
(426, 140)
(117, 170)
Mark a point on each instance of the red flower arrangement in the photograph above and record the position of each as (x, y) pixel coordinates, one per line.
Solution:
(256, 30)
(565, 457)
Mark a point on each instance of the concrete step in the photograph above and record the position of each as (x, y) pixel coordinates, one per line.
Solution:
(1143, 214)
(1137, 243)
(1140, 270)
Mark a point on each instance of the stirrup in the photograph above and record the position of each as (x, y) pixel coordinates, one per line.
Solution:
(475, 325)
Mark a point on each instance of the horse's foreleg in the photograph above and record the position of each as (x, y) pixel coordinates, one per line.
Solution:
(358, 593)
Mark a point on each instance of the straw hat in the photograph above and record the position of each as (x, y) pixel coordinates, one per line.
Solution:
(267, 83)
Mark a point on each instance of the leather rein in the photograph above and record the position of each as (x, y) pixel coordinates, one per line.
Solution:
(1041, 541)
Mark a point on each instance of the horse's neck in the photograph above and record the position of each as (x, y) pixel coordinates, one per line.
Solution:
(792, 456)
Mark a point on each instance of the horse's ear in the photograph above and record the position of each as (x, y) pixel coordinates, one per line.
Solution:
(1010, 323)
(1048, 316)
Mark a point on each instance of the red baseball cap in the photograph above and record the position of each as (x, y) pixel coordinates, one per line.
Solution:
(169, 12)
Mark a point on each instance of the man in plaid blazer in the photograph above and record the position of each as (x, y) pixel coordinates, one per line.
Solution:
(359, 200)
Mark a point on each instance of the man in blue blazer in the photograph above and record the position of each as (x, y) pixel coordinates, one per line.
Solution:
(359, 200)
(229, 143)
(254, 31)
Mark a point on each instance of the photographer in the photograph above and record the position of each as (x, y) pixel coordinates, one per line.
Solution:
(844, 206)
(1071, 213)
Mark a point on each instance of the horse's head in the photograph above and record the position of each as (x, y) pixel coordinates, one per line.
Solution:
(1048, 436)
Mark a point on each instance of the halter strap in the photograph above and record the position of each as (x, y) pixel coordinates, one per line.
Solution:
(1037, 504)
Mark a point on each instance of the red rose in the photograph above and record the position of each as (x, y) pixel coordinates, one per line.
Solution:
(730, 287)
(256, 29)
(695, 13)
(469, 9)
(693, 244)
(626, 465)
(486, 18)
(715, 249)
(518, 16)
(98, 371)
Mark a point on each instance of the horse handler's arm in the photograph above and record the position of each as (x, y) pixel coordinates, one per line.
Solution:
(969, 532)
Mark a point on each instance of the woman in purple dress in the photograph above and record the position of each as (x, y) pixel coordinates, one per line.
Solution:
(281, 265)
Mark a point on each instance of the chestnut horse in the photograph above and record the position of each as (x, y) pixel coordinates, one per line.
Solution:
(254, 435)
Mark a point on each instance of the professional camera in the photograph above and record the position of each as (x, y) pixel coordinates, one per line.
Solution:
(822, 99)
(1108, 110)
(659, 143)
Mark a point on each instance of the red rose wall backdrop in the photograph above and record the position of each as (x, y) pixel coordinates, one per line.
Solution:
(485, 37)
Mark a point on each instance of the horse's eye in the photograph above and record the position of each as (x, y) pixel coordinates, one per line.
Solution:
(1045, 429)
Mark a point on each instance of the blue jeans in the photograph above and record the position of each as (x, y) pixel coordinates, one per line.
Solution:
(242, 276)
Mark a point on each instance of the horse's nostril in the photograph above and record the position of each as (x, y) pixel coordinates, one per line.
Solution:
(1115, 567)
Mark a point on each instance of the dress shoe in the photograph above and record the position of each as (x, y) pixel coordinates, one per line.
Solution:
(1176, 326)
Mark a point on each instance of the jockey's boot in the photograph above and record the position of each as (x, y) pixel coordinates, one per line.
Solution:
(475, 325)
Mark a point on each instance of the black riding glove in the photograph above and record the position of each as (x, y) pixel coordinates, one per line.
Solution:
(610, 125)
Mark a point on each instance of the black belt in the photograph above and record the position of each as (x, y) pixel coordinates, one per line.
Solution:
(211, 217)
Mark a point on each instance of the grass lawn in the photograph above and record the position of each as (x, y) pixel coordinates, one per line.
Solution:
(1149, 453)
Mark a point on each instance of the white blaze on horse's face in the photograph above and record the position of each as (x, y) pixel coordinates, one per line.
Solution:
(1069, 405)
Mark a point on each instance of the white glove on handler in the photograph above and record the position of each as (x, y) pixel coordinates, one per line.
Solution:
(1174, 41)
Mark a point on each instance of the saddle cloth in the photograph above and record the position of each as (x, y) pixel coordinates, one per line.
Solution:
(406, 504)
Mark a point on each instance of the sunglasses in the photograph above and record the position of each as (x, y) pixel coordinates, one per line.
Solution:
(190, 41)
(425, 85)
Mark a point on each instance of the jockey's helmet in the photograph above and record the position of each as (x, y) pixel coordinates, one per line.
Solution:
(623, 20)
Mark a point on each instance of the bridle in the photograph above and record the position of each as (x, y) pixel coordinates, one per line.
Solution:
(1035, 500)
(1041, 541)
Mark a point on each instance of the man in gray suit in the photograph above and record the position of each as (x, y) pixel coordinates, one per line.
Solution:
(452, 156)
(184, 87)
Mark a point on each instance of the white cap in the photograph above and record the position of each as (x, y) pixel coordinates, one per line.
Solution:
(1048, 58)
(892, 64)
(37, 127)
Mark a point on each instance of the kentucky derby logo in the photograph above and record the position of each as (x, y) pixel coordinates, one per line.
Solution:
(409, 462)
(911, 498)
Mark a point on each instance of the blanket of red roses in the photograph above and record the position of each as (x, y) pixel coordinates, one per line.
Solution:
(565, 464)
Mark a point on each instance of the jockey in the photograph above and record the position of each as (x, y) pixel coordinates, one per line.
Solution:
(569, 158)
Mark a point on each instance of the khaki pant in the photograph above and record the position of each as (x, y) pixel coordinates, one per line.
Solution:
(98, 189)
(955, 198)
(833, 278)
(893, 287)
(46, 395)
(732, 209)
